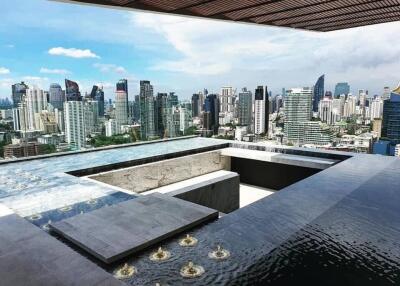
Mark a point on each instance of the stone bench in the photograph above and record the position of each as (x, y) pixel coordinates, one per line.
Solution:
(217, 190)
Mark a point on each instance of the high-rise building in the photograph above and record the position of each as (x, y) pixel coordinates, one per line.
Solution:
(97, 94)
(172, 99)
(75, 133)
(350, 104)
(56, 96)
(298, 104)
(20, 117)
(391, 117)
(342, 88)
(261, 108)
(161, 106)
(18, 92)
(196, 107)
(226, 99)
(279, 102)
(72, 91)
(318, 92)
(36, 101)
(147, 122)
(325, 111)
(91, 111)
(121, 107)
(185, 119)
(245, 108)
(211, 106)
(376, 108)
(122, 85)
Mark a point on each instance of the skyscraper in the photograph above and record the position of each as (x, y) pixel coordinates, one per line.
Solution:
(72, 91)
(121, 107)
(318, 92)
(161, 106)
(261, 107)
(172, 99)
(211, 106)
(245, 108)
(298, 102)
(56, 96)
(97, 94)
(147, 123)
(18, 92)
(195, 105)
(75, 133)
(36, 101)
(325, 111)
(342, 88)
(376, 108)
(122, 85)
(91, 115)
(391, 117)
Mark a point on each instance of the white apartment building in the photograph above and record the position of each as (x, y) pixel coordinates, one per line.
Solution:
(74, 116)
(36, 101)
(376, 108)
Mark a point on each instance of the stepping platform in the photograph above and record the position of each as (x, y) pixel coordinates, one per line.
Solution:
(113, 232)
(29, 256)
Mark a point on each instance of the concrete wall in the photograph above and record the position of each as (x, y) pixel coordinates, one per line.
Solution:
(217, 190)
(154, 175)
(269, 175)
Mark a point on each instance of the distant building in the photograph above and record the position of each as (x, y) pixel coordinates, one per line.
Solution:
(245, 109)
(91, 116)
(36, 101)
(318, 92)
(147, 120)
(56, 96)
(377, 127)
(197, 104)
(72, 91)
(325, 111)
(161, 106)
(111, 127)
(342, 88)
(122, 85)
(121, 107)
(298, 128)
(22, 150)
(261, 111)
(97, 94)
(397, 150)
(211, 107)
(376, 108)
(18, 92)
(75, 133)
(391, 117)
(226, 99)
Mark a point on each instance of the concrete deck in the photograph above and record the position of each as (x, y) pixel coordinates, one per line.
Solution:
(111, 233)
(31, 257)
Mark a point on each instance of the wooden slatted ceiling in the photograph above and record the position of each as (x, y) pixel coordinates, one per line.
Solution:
(316, 15)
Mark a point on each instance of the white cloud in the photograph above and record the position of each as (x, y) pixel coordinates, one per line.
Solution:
(216, 53)
(72, 53)
(54, 71)
(6, 83)
(4, 70)
(41, 82)
(110, 68)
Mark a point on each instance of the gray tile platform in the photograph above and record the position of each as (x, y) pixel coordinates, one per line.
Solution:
(113, 232)
(29, 256)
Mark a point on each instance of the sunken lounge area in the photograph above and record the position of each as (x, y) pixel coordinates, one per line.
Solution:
(199, 211)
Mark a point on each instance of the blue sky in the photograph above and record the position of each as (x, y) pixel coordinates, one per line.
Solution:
(43, 42)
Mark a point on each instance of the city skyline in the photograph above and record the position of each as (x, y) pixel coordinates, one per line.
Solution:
(184, 58)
